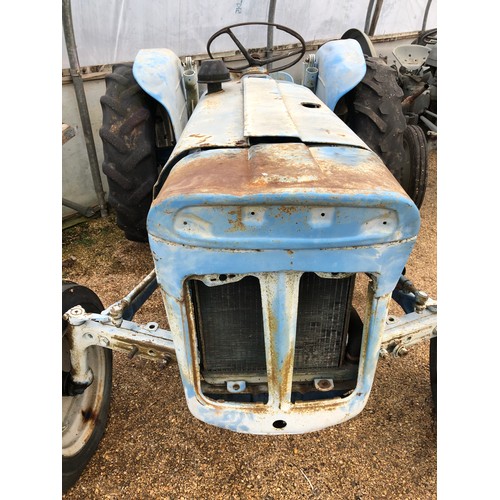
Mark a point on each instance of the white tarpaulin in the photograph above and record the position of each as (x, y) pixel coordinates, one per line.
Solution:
(115, 30)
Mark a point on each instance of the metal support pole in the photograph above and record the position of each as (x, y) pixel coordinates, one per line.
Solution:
(427, 7)
(429, 123)
(376, 15)
(368, 15)
(69, 36)
(270, 32)
(190, 78)
(85, 211)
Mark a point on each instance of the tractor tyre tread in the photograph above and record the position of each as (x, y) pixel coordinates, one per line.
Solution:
(128, 136)
(377, 116)
(416, 143)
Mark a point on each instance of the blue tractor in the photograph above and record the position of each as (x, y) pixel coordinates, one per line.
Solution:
(267, 204)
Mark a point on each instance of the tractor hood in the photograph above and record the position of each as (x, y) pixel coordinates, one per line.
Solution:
(282, 196)
(264, 164)
(260, 109)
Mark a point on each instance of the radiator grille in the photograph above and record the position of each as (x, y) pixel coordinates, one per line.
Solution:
(322, 322)
(230, 328)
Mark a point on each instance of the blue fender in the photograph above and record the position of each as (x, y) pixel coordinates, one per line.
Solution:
(159, 73)
(341, 66)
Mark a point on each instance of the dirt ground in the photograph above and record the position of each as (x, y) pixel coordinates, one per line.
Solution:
(155, 449)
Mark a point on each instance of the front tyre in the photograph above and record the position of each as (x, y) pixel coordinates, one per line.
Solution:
(84, 416)
(433, 370)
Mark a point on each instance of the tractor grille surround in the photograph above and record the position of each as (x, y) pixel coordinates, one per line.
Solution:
(230, 331)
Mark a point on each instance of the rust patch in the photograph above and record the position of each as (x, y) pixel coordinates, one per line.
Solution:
(189, 309)
(277, 168)
(88, 415)
(286, 371)
(273, 322)
(201, 136)
(289, 209)
(237, 221)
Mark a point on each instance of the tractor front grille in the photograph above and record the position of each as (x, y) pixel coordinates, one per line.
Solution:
(230, 331)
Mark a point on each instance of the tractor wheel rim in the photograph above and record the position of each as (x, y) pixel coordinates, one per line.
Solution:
(80, 413)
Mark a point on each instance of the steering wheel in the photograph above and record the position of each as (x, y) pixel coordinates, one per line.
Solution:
(260, 62)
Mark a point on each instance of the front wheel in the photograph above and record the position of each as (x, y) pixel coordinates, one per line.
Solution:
(84, 416)
(433, 370)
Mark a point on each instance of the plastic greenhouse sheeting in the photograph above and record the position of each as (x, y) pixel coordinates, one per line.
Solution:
(115, 30)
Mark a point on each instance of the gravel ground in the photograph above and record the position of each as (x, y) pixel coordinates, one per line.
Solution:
(154, 448)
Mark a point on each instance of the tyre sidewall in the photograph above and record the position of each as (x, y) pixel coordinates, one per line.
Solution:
(72, 467)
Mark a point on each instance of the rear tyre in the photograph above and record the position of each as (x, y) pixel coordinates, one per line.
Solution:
(84, 416)
(375, 114)
(129, 145)
(415, 163)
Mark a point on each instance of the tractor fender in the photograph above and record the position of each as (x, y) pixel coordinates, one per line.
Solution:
(341, 66)
(159, 73)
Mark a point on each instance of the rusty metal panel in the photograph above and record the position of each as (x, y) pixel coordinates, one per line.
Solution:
(279, 168)
(243, 110)
(282, 196)
(265, 113)
(216, 121)
(275, 211)
(281, 109)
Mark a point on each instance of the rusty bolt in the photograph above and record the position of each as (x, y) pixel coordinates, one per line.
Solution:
(403, 351)
(420, 300)
(115, 313)
(164, 362)
(104, 341)
(323, 384)
(133, 352)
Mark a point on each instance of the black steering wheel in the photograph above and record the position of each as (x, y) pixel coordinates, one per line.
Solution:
(260, 62)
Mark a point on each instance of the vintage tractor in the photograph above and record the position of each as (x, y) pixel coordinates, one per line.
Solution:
(277, 204)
